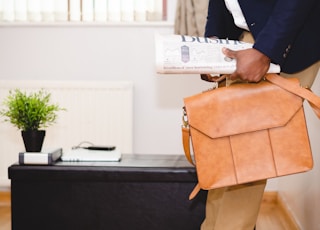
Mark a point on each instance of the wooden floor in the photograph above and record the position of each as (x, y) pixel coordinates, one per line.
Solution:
(272, 214)
(5, 211)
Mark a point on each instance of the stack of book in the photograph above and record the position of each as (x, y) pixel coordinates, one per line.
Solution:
(48, 157)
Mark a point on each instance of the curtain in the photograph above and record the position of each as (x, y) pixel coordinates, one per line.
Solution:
(191, 17)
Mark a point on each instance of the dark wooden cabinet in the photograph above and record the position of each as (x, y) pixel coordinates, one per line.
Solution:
(139, 192)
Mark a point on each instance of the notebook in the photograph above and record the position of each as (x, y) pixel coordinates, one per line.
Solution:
(81, 154)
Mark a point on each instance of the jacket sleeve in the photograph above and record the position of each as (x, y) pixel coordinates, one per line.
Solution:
(285, 22)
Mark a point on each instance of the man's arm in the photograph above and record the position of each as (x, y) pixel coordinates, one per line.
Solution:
(273, 40)
(278, 35)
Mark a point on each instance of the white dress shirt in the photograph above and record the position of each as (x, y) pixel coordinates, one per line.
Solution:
(234, 8)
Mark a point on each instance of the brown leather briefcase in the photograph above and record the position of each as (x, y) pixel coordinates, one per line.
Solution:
(248, 132)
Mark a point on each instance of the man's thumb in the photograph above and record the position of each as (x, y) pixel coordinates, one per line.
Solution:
(229, 53)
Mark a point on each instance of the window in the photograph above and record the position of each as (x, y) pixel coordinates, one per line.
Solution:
(82, 10)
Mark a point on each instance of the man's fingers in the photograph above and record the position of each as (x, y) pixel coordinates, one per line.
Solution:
(234, 76)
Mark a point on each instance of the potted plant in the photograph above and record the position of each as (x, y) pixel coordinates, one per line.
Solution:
(30, 113)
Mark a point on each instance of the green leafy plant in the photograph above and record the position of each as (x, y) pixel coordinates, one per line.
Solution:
(29, 111)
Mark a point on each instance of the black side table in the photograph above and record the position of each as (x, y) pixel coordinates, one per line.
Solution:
(143, 192)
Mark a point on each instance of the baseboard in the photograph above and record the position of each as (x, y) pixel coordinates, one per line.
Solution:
(5, 198)
(270, 197)
(284, 208)
(274, 198)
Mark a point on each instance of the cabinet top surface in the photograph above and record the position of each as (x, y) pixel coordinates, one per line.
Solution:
(131, 167)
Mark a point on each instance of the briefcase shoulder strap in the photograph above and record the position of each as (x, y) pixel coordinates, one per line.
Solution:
(187, 152)
(307, 94)
(186, 143)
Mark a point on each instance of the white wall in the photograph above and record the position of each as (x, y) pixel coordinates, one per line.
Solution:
(104, 53)
(301, 192)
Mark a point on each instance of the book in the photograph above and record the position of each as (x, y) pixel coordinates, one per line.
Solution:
(82, 154)
(180, 54)
(48, 157)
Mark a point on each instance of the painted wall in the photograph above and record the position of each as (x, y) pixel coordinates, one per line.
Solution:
(301, 192)
(105, 53)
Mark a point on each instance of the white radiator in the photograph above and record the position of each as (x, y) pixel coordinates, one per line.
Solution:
(100, 112)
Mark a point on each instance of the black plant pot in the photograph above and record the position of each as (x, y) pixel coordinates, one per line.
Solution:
(33, 140)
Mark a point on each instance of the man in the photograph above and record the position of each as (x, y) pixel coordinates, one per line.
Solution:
(285, 32)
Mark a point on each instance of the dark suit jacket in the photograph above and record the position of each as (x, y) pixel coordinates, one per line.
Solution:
(287, 31)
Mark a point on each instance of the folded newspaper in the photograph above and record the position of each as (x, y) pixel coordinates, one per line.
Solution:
(179, 54)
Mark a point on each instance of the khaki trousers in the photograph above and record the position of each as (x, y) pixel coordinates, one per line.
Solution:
(237, 207)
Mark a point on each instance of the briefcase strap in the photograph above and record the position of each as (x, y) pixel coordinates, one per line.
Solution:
(307, 94)
(187, 150)
(186, 144)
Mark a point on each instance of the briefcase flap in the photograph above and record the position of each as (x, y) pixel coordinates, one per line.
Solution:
(241, 108)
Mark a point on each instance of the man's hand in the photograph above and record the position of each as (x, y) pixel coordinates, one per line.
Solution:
(252, 65)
